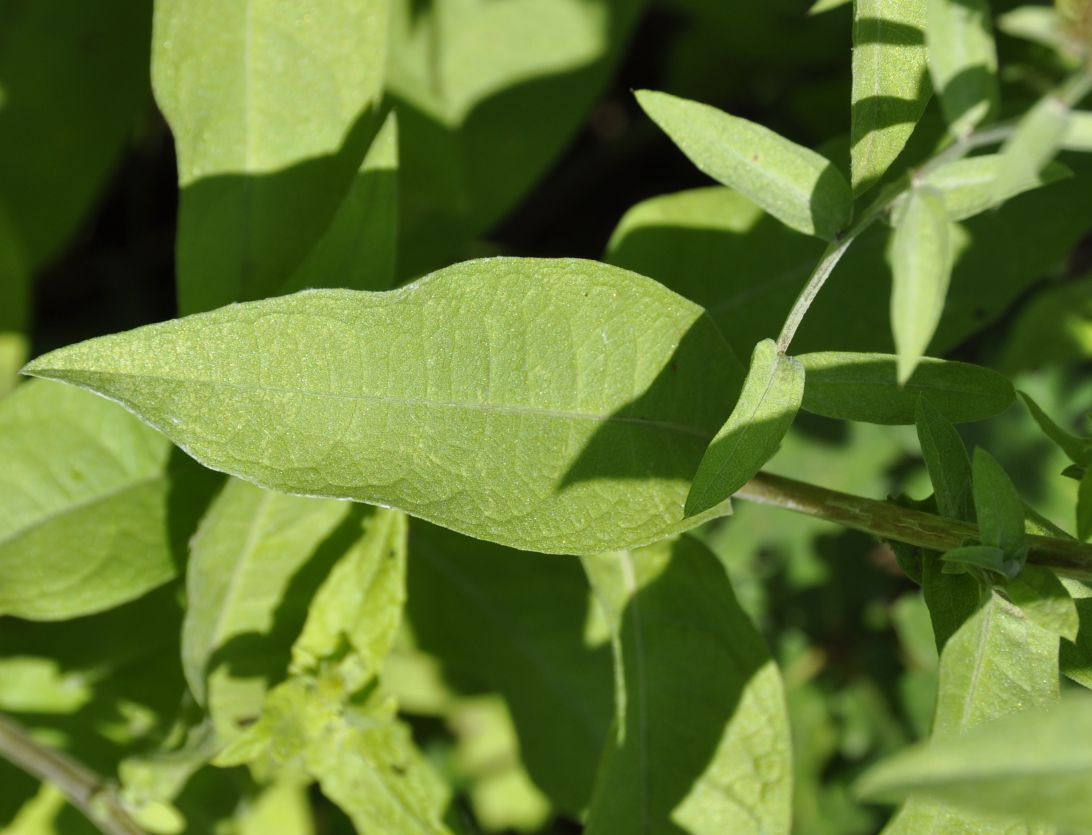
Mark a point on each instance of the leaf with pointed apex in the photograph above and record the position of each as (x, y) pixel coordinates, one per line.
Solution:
(763, 414)
(947, 461)
(821, 6)
(578, 446)
(998, 506)
(962, 61)
(1042, 597)
(794, 184)
(890, 84)
(851, 386)
(1078, 132)
(675, 761)
(1033, 144)
(95, 508)
(921, 262)
(1078, 449)
(1035, 23)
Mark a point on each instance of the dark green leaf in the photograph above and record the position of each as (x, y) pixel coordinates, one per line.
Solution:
(1084, 506)
(985, 557)
(998, 506)
(1078, 449)
(947, 461)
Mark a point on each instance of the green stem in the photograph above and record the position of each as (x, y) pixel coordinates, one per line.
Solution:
(890, 521)
(84, 789)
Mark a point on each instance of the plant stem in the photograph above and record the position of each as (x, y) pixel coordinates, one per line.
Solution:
(84, 789)
(890, 521)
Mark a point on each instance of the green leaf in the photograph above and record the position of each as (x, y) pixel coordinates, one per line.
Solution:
(1042, 597)
(999, 508)
(821, 6)
(1054, 327)
(675, 761)
(947, 461)
(766, 408)
(968, 186)
(1075, 656)
(96, 509)
(515, 623)
(794, 184)
(255, 563)
(1078, 449)
(921, 262)
(1084, 506)
(14, 304)
(376, 396)
(1035, 23)
(1033, 144)
(1024, 765)
(1078, 132)
(986, 557)
(950, 598)
(890, 83)
(852, 386)
(272, 109)
(962, 61)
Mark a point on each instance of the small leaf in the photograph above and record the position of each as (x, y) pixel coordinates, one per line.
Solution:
(1078, 449)
(1027, 765)
(890, 83)
(998, 506)
(962, 61)
(794, 184)
(766, 408)
(673, 761)
(947, 461)
(852, 386)
(1042, 597)
(1074, 471)
(1033, 144)
(1078, 132)
(921, 264)
(1084, 506)
(821, 6)
(986, 557)
(1035, 23)
(378, 397)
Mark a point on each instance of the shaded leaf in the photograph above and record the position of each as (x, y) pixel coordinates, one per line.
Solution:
(1078, 449)
(947, 461)
(766, 408)
(794, 184)
(676, 763)
(1075, 656)
(375, 397)
(962, 61)
(1042, 597)
(985, 557)
(921, 267)
(852, 386)
(999, 508)
(1084, 506)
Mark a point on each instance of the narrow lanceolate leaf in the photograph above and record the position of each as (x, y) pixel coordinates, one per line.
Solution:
(998, 506)
(947, 461)
(1078, 449)
(95, 511)
(766, 408)
(998, 662)
(1027, 765)
(921, 264)
(701, 765)
(1036, 23)
(969, 186)
(1042, 597)
(962, 61)
(852, 386)
(559, 406)
(254, 566)
(272, 106)
(1034, 143)
(890, 83)
(794, 184)
(1078, 132)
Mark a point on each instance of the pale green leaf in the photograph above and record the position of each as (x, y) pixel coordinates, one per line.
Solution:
(1078, 132)
(998, 506)
(890, 83)
(1028, 765)
(947, 461)
(921, 266)
(821, 6)
(1040, 24)
(150, 782)
(586, 394)
(96, 509)
(1042, 597)
(715, 764)
(763, 414)
(255, 563)
(271, 106)
(1084, 506)
(962, 61)
(852, 386)
(794, 184)
(360, 603)
(1033, 144)
(1078, 449)
(285, 807)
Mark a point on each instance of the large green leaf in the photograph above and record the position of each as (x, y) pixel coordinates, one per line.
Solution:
(75, 82)
(921, 267)
(701, 738)
(272, 107)
(587, 395)
(488, 95)
(766, 408)
(96, 508)
(515, 623)
(796, 185)
(890, 83)
(1026, 765)
(851, 386)
(962, 61)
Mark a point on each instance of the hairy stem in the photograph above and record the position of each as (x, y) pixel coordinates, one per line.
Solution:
(84, 789)
(889, 521)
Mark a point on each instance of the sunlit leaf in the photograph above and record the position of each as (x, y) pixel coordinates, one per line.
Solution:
(1042, 597)
(1078, 132)
(962, 61)
(1033, 144)
(821, 6)
(545, 369)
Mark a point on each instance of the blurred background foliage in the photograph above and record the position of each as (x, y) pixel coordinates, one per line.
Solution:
(544, 153)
